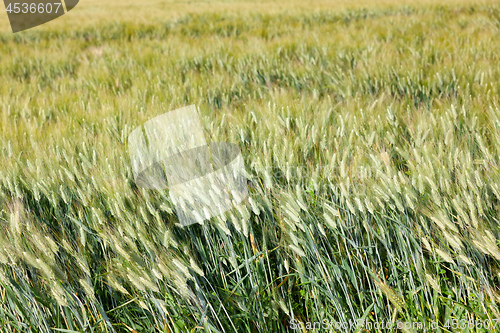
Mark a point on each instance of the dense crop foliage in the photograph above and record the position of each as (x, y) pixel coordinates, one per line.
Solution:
(372, 137)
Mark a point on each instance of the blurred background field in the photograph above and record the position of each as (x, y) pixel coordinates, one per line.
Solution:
(370, 131)
(95, 12)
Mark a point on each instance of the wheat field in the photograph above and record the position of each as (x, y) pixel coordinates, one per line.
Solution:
(370, 133)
